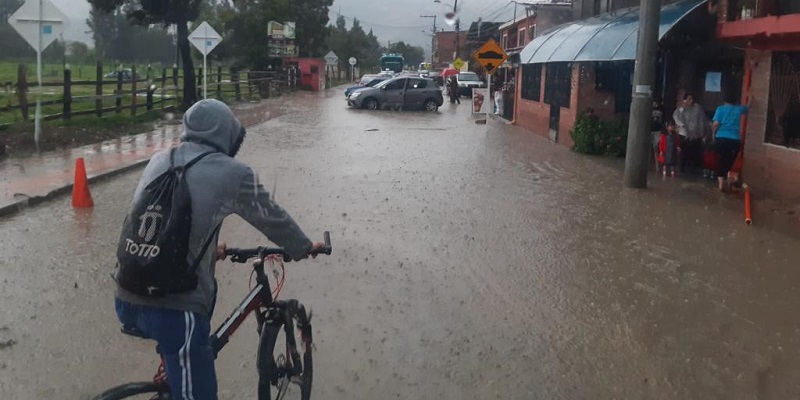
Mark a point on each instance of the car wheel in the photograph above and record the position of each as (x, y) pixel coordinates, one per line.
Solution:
(371, 104)
(430, 105)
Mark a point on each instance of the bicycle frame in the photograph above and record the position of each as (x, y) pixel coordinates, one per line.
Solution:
(270, 316)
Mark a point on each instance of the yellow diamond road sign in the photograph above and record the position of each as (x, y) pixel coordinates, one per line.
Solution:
(490, 56)
(458, 64)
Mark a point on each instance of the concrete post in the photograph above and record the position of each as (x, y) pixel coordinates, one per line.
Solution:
(639, 142)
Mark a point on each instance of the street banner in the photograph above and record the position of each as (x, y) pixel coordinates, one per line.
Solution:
(281, 39)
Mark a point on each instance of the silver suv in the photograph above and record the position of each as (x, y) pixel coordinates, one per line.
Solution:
(399, 93)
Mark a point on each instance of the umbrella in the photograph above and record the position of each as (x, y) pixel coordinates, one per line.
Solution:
(448, 72)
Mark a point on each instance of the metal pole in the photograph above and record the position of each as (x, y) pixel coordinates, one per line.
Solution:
(639, 142)
(205, 63)
(488, 97)
(37, 123)
(458, 29)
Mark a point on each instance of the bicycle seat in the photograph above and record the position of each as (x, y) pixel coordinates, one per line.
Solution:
(131, 330)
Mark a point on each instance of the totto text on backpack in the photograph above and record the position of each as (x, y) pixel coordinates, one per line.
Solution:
(154, 244)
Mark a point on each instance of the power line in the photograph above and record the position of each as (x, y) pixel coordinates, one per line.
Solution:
(375, 24)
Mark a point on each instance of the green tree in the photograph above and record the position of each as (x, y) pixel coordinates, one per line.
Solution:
(164, 12)
(78, 50)
(311, 17)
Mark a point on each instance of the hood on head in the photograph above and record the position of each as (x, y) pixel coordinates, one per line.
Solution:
(211, 122)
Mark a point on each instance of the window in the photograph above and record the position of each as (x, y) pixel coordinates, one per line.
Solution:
(783, 112)
(531, 82)
(418, 84)
(521, 38)
(558, 84)
(396, 85)
(504, 43)
(615, 77)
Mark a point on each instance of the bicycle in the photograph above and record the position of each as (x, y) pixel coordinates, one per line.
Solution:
(291, 365)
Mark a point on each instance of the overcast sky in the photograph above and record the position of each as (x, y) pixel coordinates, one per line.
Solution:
(391, 20)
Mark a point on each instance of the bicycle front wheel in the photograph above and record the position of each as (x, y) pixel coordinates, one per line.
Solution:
(285, 354)
(136, 391)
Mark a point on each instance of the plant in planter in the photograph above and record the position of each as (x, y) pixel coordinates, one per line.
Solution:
(747, 9)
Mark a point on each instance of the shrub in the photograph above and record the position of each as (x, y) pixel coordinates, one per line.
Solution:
(592, 135)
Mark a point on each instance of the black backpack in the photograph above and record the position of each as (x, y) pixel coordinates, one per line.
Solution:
(154, 244)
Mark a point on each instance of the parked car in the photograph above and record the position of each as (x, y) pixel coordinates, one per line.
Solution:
(401, 92)
(468, 81)
(370, 83)
(126, 74)
(424, 73)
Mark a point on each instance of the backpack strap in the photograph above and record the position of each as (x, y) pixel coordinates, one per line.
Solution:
(188, 164)
(196, 262)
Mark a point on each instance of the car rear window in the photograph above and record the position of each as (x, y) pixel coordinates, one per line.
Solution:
(419, 84)
(468, 77)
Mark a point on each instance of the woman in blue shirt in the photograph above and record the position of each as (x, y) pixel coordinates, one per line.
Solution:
(726, 125)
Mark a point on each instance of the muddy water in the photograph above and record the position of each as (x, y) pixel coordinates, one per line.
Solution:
(467, 264)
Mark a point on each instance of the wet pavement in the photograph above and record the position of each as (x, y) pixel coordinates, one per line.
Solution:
(468, 264)
(33, 179)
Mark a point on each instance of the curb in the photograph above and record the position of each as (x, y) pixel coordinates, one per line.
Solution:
(19, 205)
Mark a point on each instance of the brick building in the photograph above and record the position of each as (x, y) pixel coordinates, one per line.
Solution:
(770, 31)
(589, 63)
(446, 47)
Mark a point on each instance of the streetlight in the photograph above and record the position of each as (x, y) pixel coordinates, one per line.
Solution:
(453, 17)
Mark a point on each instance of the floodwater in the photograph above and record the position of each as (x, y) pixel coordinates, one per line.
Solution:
(468, 264)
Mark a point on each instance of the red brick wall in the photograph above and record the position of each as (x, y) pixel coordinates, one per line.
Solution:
(767, 168)
(446, 46)
(532, 115)
(535, 116)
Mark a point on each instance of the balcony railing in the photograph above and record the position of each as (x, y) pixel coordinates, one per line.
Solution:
(749, 9)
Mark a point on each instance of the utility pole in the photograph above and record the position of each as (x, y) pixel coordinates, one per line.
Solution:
(639, 141)
(433, 38)
(458, 29)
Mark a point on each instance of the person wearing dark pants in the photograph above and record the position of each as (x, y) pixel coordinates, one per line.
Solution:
(727, 135)
(692, 123)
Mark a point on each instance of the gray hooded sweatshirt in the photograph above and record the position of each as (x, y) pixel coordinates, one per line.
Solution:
(219, 186)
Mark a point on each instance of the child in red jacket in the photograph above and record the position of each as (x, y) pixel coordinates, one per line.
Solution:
(669, 146)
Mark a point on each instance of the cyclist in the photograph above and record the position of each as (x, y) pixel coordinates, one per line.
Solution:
(219, 186)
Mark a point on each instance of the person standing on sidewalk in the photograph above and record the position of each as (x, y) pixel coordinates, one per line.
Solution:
(692, 122)
(727, 136)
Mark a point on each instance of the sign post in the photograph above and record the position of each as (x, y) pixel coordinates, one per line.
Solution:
(353, 62)
(205, 39)
(39, 22)
(490, 56)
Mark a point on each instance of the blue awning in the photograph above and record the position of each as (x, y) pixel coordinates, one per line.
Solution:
(606, 37)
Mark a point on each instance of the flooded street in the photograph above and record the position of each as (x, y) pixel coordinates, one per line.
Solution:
(467, 264)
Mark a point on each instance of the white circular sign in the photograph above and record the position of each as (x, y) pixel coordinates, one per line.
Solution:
(352, 61)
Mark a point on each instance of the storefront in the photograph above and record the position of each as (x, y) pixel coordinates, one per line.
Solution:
(588, 64)
(770, 31)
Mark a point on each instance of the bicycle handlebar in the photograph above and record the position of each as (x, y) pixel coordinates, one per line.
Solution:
(242, 255)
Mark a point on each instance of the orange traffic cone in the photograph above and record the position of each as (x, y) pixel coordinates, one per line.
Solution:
(81, 198)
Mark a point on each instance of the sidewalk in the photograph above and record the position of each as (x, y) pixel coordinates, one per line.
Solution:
(31, 180)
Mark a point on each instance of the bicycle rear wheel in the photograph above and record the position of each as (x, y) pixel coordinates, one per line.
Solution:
(136, 391)
(285, 355)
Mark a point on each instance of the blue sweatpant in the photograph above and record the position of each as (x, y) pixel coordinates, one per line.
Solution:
(182, 338)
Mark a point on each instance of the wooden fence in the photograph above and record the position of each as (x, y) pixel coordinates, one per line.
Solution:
(130, 91)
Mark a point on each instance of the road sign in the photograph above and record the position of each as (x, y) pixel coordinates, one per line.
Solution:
(26, 21)
(39, 22)
(205, 39)
(331, 58)
(458, 64)
(490, 56)
(352, 61)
